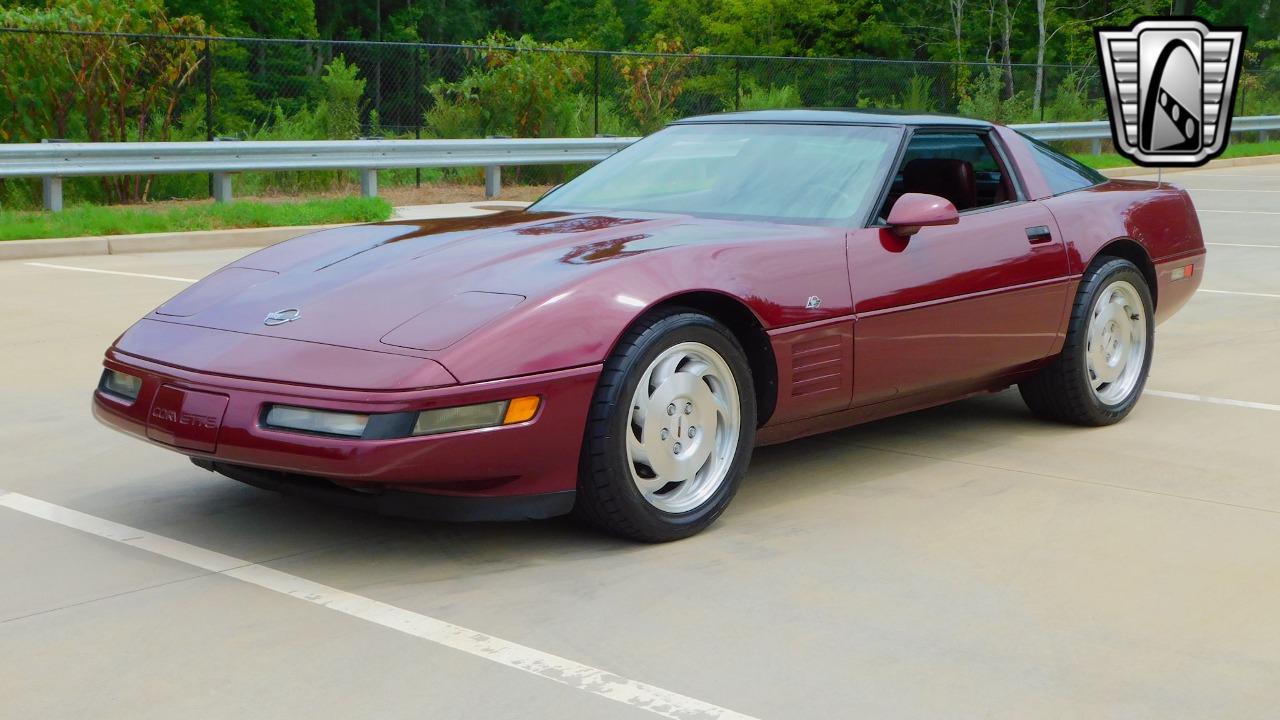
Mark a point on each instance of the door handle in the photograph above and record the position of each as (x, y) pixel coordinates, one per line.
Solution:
(1039, 234)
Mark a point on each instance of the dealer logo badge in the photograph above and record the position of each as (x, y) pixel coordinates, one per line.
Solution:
(1170, 83)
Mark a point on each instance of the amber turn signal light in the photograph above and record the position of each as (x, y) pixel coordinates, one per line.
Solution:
(521, 409)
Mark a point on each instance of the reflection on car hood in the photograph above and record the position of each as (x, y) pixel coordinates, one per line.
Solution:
(412, 286)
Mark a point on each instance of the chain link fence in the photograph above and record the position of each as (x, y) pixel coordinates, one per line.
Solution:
(115, 87)
(248, 86)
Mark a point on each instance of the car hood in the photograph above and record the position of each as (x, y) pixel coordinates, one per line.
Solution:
(415, 287)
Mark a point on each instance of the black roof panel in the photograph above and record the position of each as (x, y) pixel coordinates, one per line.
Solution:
(861, 117)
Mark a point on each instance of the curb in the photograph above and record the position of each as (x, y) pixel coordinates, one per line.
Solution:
(1123, 172)
(153, 242)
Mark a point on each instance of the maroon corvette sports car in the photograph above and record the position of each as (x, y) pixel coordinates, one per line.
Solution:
(618, 348)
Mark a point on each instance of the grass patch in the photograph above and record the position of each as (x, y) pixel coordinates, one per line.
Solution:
(87, 220)
(1234, 150)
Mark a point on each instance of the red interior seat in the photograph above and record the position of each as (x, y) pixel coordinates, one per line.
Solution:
(944, 177)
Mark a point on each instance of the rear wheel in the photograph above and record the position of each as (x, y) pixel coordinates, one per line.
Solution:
(671, 429)
(1102, 369)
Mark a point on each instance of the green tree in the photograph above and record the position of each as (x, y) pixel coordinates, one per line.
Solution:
(100, 87)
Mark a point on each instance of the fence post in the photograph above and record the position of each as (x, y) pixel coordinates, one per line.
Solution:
(221, 181)
(208, 91)
(737, 83)
(221, 187)
(208, 100)
(417, 108)
(595, 124)
(368, 176)
(369, 182)
(51, 187)
(492, 181)
(493, 174)
(1095, 146)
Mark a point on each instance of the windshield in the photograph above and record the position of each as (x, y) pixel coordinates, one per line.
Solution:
(822, 174)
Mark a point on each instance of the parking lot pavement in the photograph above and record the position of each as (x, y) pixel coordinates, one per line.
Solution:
(963, 561)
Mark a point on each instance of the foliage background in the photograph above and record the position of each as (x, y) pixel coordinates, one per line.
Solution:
(475, 68)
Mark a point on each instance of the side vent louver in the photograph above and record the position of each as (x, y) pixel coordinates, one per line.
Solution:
(816, 366)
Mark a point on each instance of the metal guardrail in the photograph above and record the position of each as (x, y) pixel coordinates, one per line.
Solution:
(52, 161)
(1100, 130)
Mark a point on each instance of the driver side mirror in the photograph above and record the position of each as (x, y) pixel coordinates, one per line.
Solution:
(913, 211)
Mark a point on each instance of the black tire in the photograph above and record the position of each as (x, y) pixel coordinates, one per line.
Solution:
(1062, 390)
(607, 497)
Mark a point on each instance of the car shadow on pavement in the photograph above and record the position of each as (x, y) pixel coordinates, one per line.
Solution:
(305, 536)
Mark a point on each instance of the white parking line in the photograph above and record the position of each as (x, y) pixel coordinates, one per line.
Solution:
(1213, 400)
(1231, 190)
(1235, 292)
(1247, 176)
(1238, 212)
(544, 665)
(109, 272)
(1216, 244)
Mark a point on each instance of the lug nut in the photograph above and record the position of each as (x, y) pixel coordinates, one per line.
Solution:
(664, 434)
(693, 431)
(671, 409)
(677, 448)
(688, 408)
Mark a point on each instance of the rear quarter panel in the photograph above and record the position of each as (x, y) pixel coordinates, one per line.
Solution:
(1158, 216)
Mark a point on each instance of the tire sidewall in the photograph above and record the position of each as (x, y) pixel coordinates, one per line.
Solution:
(669, 331)
(1109, 272)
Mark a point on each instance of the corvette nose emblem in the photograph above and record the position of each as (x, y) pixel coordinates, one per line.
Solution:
(281, 317)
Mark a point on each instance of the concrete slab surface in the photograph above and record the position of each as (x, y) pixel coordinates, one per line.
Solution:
(965, 561)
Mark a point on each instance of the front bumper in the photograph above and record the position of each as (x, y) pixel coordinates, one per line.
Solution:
(536, 457)
(401, 503)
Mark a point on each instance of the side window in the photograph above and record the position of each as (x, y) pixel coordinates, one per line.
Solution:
(1062, 173)
(958, 166)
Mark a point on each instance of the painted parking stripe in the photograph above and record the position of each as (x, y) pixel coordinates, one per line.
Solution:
(1236, 292)
(503, 652)
(1217, 244)
(1213, 400)
(1238, 212)
(109, 272)
(1247, 176)
(1230, 190)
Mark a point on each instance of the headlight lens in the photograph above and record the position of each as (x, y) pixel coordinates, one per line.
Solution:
(121, 384)
(472, 417)
(317, 421)
(467, 417)
(396, 425)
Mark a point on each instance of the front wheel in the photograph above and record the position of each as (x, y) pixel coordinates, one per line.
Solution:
(1102, 369)
(670, 431)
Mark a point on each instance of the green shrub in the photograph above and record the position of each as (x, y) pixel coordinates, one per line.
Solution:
(1071, 102)
(511, 92)
(654, 84)
(983, 97)
(919, 94)
(343, 90)
(756, 97)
